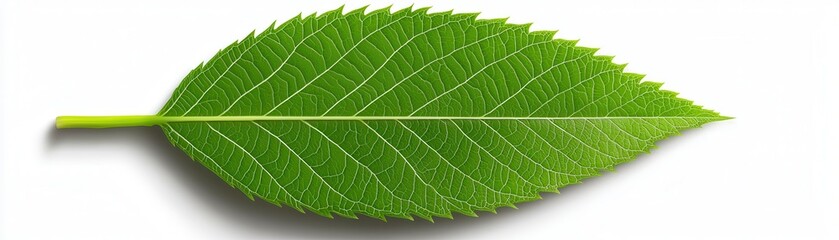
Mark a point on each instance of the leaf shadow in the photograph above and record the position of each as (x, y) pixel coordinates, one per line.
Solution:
(262, 218)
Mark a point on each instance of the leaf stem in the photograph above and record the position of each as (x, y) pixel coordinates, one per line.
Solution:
(107, 121)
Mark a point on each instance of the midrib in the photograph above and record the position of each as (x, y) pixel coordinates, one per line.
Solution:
(150, 120)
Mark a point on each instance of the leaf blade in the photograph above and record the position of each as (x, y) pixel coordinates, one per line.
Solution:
(408, 113)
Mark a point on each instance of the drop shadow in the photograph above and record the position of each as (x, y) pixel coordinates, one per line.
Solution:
(263, 218)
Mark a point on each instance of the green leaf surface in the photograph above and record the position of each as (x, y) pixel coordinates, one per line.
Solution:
(410, 113)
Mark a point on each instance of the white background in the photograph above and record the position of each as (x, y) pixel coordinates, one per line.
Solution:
(771, 173)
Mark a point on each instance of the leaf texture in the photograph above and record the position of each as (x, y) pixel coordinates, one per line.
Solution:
(410, 113)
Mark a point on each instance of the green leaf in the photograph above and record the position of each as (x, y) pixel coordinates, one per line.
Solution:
(410, 114)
